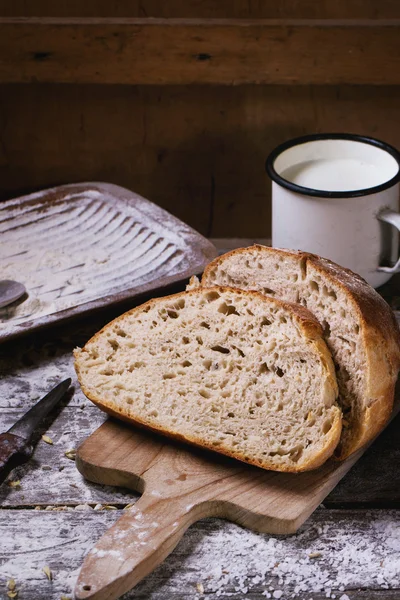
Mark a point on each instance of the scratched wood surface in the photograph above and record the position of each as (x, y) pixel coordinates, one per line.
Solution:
(197, 151)
(303, 9)
(333, 547)
(142, 51)
(357, 549)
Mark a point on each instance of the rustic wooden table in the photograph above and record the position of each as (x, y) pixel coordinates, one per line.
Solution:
(50, 516)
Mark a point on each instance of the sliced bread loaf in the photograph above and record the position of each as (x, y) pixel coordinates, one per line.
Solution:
(225, 369)
(359, 327)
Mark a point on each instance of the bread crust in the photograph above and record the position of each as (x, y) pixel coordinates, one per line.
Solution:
(312, 330)
(380, 333)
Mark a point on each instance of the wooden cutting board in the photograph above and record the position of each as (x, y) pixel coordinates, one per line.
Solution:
(179, 486)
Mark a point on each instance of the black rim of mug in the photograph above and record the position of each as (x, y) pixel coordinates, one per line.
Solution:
(305, 191)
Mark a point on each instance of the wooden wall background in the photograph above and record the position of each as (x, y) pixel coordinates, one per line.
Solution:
(198, 147)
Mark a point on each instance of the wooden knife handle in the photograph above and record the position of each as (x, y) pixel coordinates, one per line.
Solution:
(13, 452)
(139, 541)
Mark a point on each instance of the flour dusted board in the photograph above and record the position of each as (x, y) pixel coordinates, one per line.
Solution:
(88, 245)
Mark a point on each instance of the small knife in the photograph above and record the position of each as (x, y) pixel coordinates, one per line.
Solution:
(15, 447)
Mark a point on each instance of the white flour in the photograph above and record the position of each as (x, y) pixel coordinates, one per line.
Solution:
(83, 248)
(347, 558)
(230, 561)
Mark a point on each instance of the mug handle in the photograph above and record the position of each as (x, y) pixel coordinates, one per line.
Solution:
(393, 218)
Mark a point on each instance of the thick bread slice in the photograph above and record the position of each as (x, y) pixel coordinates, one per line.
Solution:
(225, 369)
(359, 327)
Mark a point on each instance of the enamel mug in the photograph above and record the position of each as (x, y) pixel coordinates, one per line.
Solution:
(337, 195)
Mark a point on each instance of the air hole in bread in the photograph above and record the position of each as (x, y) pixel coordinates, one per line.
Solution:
(180, 304)
(227, 309)
(279, 372)
(185, 340)
(199, 340)
(207, 364)
(136, 365)
(260, 403)
(265, 322)
(241, 353)
(120, 332)
(186, 363)
(268, 291)
(129, 400)
(205, 325)
(282, 319)
(211, 296)
(249, 312)
(296, 453)
(329, 292)
(327, 426)
(169, 376)
(264, 369)
(226, 394)
(205, 393)
(327, 329)
(303, 267)
(345, 375)
(108, 371)
(114, 344)
(356, 329)
(220, 349)
(153, 413)
(231, 414)
(172, 314)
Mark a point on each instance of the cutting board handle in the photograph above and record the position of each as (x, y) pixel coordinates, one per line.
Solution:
(139, 541)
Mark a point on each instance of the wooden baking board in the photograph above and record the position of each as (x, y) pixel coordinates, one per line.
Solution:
(179, 486)
(84, 246)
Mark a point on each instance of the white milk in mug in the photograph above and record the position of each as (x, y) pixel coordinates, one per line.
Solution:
(337, 195)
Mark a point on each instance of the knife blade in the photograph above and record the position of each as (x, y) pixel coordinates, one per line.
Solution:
(15, 447)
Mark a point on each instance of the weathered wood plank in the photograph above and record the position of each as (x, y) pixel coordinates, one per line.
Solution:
(357, 555)
(199, 51)
(369, 9)
(50, 477)
(197, 151)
